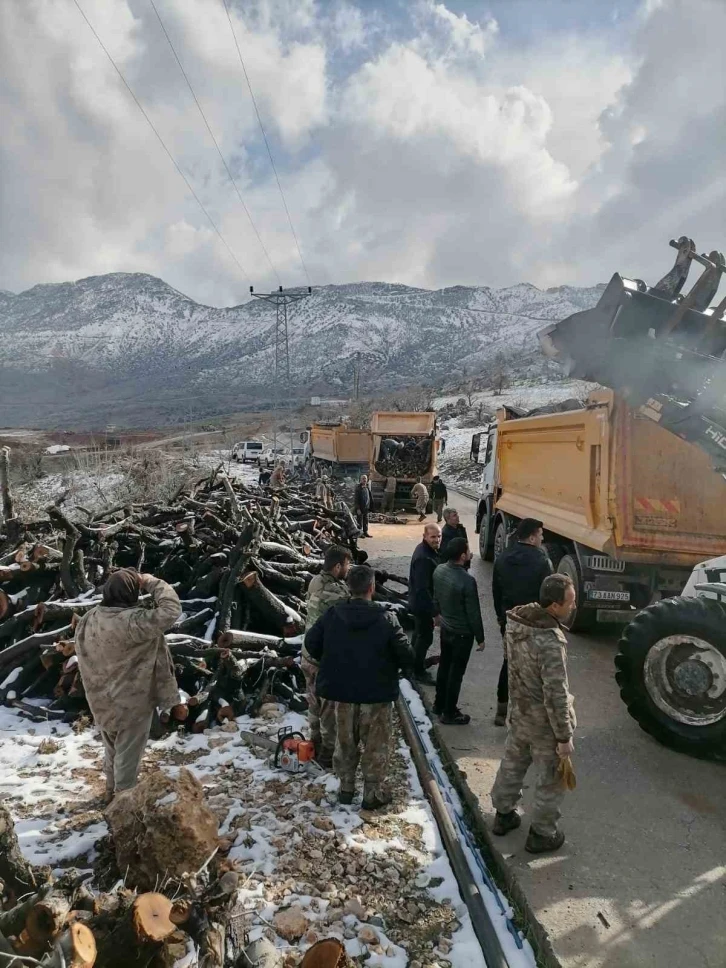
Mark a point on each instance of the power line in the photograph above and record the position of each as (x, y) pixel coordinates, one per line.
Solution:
(162, 143)
(216, 143)
(267, 144)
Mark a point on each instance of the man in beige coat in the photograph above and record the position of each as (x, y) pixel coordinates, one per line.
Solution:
(126, 668)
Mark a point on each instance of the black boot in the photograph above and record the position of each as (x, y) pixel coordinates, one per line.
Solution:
(504, 822)
(374, 801)
(457, 718)
(501, 717)
(345, 797)
(541, 843)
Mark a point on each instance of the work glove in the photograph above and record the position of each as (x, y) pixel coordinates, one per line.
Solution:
(566, 773)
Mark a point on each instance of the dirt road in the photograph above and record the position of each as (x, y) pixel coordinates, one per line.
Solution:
(641, 879)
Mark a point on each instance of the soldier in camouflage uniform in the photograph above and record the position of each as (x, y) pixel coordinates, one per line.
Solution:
(324, 590)
(361, 649)
(126, 668)
(541, 714)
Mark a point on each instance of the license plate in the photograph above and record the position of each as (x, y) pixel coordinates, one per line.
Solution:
(600, 595)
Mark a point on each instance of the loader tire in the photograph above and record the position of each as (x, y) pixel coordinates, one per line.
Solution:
(671, 669)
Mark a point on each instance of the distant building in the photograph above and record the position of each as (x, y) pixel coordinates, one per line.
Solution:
(320, 402)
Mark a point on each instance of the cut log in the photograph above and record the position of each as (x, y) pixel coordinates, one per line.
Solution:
(12, 653)
(328, 953)
(252, 641)
(274, 611)
(150, 915)
(15, 872)
(48, 917)
(76, 948)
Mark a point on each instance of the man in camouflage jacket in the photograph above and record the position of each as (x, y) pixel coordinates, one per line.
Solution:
(324, 590)
(541, 714)
(126, 668)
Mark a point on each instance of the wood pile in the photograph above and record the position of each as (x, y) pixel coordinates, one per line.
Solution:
(404, 457)
(239, 557)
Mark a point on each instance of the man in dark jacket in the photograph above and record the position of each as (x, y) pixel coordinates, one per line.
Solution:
(518, 575)
(421, 598)
(439, 497)
(456, 597)
(453, 528)
(361, 649)
(362, 503)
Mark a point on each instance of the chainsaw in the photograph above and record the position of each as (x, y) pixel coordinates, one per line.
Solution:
(291, 753)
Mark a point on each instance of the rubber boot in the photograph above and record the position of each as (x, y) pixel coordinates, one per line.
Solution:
(345, 797)
(541, 843)
(501, 717)
(504, 822)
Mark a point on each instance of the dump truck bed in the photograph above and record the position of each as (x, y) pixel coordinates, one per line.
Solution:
(615, 481)
(340, 444)
(403, 424)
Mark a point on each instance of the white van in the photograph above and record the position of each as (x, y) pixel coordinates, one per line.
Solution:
(247, 450)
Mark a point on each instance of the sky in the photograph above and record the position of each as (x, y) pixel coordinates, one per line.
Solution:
(419, 142)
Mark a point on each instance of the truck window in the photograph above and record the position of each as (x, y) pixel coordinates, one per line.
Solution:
(490, 448)
(254, 445)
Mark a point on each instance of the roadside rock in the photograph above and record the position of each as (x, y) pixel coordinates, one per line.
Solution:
(291, 924)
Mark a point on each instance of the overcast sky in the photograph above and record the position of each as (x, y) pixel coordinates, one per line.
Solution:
(433, 144)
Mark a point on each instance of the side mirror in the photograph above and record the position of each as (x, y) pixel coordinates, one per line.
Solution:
(475, 445)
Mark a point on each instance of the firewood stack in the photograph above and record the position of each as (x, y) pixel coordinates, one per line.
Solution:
(240, 558)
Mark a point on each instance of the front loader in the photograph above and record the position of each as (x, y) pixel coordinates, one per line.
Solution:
(665, 354)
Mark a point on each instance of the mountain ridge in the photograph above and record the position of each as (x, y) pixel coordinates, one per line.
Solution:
(130, 349)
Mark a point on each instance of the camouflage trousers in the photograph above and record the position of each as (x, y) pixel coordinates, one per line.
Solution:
(369, 726)
(529, 745)
(321, 713)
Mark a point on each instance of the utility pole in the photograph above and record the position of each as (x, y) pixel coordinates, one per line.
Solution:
(281, 300)
(356, 376)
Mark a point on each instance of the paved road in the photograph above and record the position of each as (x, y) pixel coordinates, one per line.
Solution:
(641, 880)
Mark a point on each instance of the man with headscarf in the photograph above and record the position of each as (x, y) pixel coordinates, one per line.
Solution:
(126, 668)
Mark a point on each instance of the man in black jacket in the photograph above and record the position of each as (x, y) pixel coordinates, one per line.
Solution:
(421, 598)
(361, 649)
(439, 497)
(453, 528)
(457, 599)
(362, 502)
(517, 578)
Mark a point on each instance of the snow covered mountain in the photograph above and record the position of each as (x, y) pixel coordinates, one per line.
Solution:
(127, 349)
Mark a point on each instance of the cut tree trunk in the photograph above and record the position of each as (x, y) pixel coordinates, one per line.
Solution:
(15, 872)
(76, 948)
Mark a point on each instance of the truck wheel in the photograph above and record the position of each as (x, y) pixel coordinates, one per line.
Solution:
(585, 618)
(486, 545)
(671, 669)
(501, 534)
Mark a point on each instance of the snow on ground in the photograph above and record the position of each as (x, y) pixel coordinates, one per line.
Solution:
(455, 464)
(380, 883)
(526, 396)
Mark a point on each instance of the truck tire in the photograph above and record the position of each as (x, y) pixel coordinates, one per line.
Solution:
(501, 536)
(584, 618)
(486, 542)
(671, 669)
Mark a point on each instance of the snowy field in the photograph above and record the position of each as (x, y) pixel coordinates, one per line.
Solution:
(455, 465)
(380, 883)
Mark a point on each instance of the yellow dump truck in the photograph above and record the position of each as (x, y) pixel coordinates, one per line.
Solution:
(404, 448)
(339, 448)
(628, 507)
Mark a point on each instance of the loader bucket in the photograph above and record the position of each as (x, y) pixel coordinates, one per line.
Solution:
(664, 353)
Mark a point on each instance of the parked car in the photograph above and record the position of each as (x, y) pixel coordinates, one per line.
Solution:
(247, 450)
(273, 455)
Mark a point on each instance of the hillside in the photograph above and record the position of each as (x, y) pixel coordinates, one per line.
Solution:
(128, 349)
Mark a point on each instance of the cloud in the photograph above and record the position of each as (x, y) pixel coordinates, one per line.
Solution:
(414, 143)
